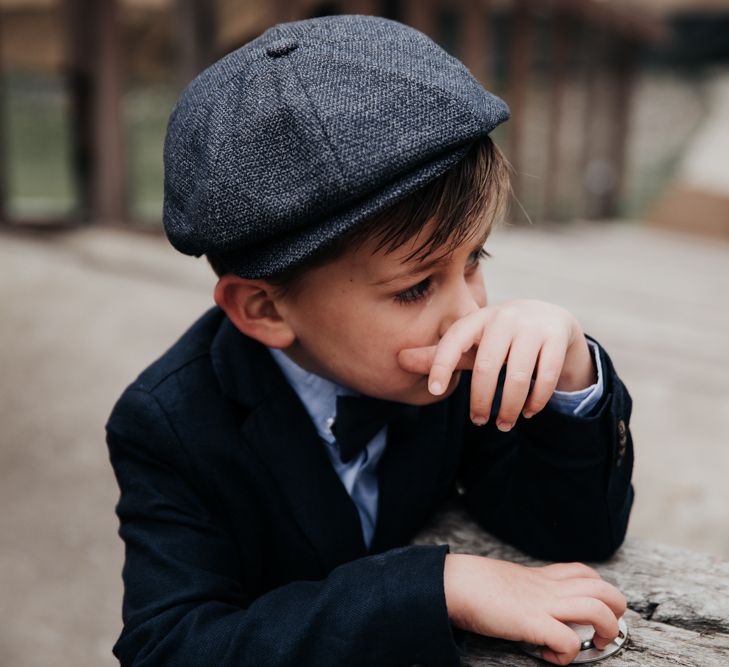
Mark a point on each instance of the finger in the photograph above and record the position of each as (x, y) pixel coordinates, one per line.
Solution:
(561, 644)
(549, 367)
(420, 359)
(599, 643)
(558, 571)
(457, 340)
(490, 355)
(595, 588)
(519, 367)
(588, 611)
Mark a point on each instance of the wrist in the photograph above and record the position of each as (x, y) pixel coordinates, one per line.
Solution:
(453, 573)
(449, 574)
(578, 371)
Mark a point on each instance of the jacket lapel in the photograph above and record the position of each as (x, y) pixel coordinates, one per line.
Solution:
(280, 432)
(414, 465)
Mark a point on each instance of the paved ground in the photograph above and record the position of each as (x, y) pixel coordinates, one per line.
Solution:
(84, 312)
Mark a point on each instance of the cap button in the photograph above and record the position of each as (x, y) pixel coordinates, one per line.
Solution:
(281, 47)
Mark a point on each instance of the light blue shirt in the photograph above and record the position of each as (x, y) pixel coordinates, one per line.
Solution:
(359, 476)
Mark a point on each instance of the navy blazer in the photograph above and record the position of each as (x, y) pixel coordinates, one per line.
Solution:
(242, 546)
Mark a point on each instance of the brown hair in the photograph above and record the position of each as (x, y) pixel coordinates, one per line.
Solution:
(468, 198)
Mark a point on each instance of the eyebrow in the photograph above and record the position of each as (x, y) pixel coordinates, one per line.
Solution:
(422, 268)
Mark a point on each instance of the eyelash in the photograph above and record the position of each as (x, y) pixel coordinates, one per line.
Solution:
(421, 290)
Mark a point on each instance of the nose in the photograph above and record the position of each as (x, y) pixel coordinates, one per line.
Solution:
(461, 302)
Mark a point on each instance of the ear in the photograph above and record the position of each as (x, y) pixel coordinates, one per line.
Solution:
(251, 307)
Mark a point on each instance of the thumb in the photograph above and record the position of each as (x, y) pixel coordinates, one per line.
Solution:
(420, 359)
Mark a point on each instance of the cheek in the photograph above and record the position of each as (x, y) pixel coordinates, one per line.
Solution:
(385, 328)
(368, 335)
(420, 326)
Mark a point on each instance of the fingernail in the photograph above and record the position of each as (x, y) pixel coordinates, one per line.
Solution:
(478, 421)
(504, 426)
(527, 414)
(436, 388)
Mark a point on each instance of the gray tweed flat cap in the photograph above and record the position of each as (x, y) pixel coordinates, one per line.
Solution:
(293, 139)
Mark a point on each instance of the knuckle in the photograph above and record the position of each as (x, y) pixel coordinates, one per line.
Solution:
(520, 376)
(480, 398)
(439, 365)
(595, 607)
(567, 658)
(484, 365)
(585, 570)
(571, 649)
(553, 330)
(608, 594)
(603, 588)
(551, 376)
(509, 312)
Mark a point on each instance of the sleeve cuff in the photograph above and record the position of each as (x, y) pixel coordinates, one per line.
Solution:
(581, 402)
(418, 614)
(577, 438)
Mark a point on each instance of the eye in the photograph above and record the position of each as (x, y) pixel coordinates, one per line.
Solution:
(414, 293)
(477, 255)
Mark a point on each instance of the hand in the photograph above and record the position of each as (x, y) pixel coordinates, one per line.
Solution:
(529, 332)
(501, 599)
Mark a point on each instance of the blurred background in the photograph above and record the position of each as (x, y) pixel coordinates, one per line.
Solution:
(619, 139)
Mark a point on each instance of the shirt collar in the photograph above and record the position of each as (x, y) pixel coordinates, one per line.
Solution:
(317, 393)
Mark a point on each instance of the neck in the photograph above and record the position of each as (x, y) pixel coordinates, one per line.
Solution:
(301, 358)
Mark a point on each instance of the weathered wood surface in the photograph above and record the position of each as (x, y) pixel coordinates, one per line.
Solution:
(678, 600)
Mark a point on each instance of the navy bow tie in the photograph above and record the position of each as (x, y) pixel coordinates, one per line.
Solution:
(358, 420)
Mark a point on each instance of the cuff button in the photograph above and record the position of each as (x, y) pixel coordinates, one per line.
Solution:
(622, 430)
(622, 441)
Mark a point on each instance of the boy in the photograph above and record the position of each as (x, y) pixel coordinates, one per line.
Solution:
(276, 462)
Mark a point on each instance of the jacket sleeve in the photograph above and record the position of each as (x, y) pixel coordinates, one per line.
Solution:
(557, 486)
(185, 600)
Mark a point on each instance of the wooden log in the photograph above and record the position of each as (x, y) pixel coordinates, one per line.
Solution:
(678, 600)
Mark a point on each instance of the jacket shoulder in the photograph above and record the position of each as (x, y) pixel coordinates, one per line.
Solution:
(191, 345)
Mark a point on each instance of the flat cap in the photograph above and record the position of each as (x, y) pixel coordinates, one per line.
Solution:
(304, 132)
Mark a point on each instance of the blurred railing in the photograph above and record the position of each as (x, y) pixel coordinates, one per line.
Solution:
(565, 67)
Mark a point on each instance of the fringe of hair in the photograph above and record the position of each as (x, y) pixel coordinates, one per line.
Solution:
(467, 201)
